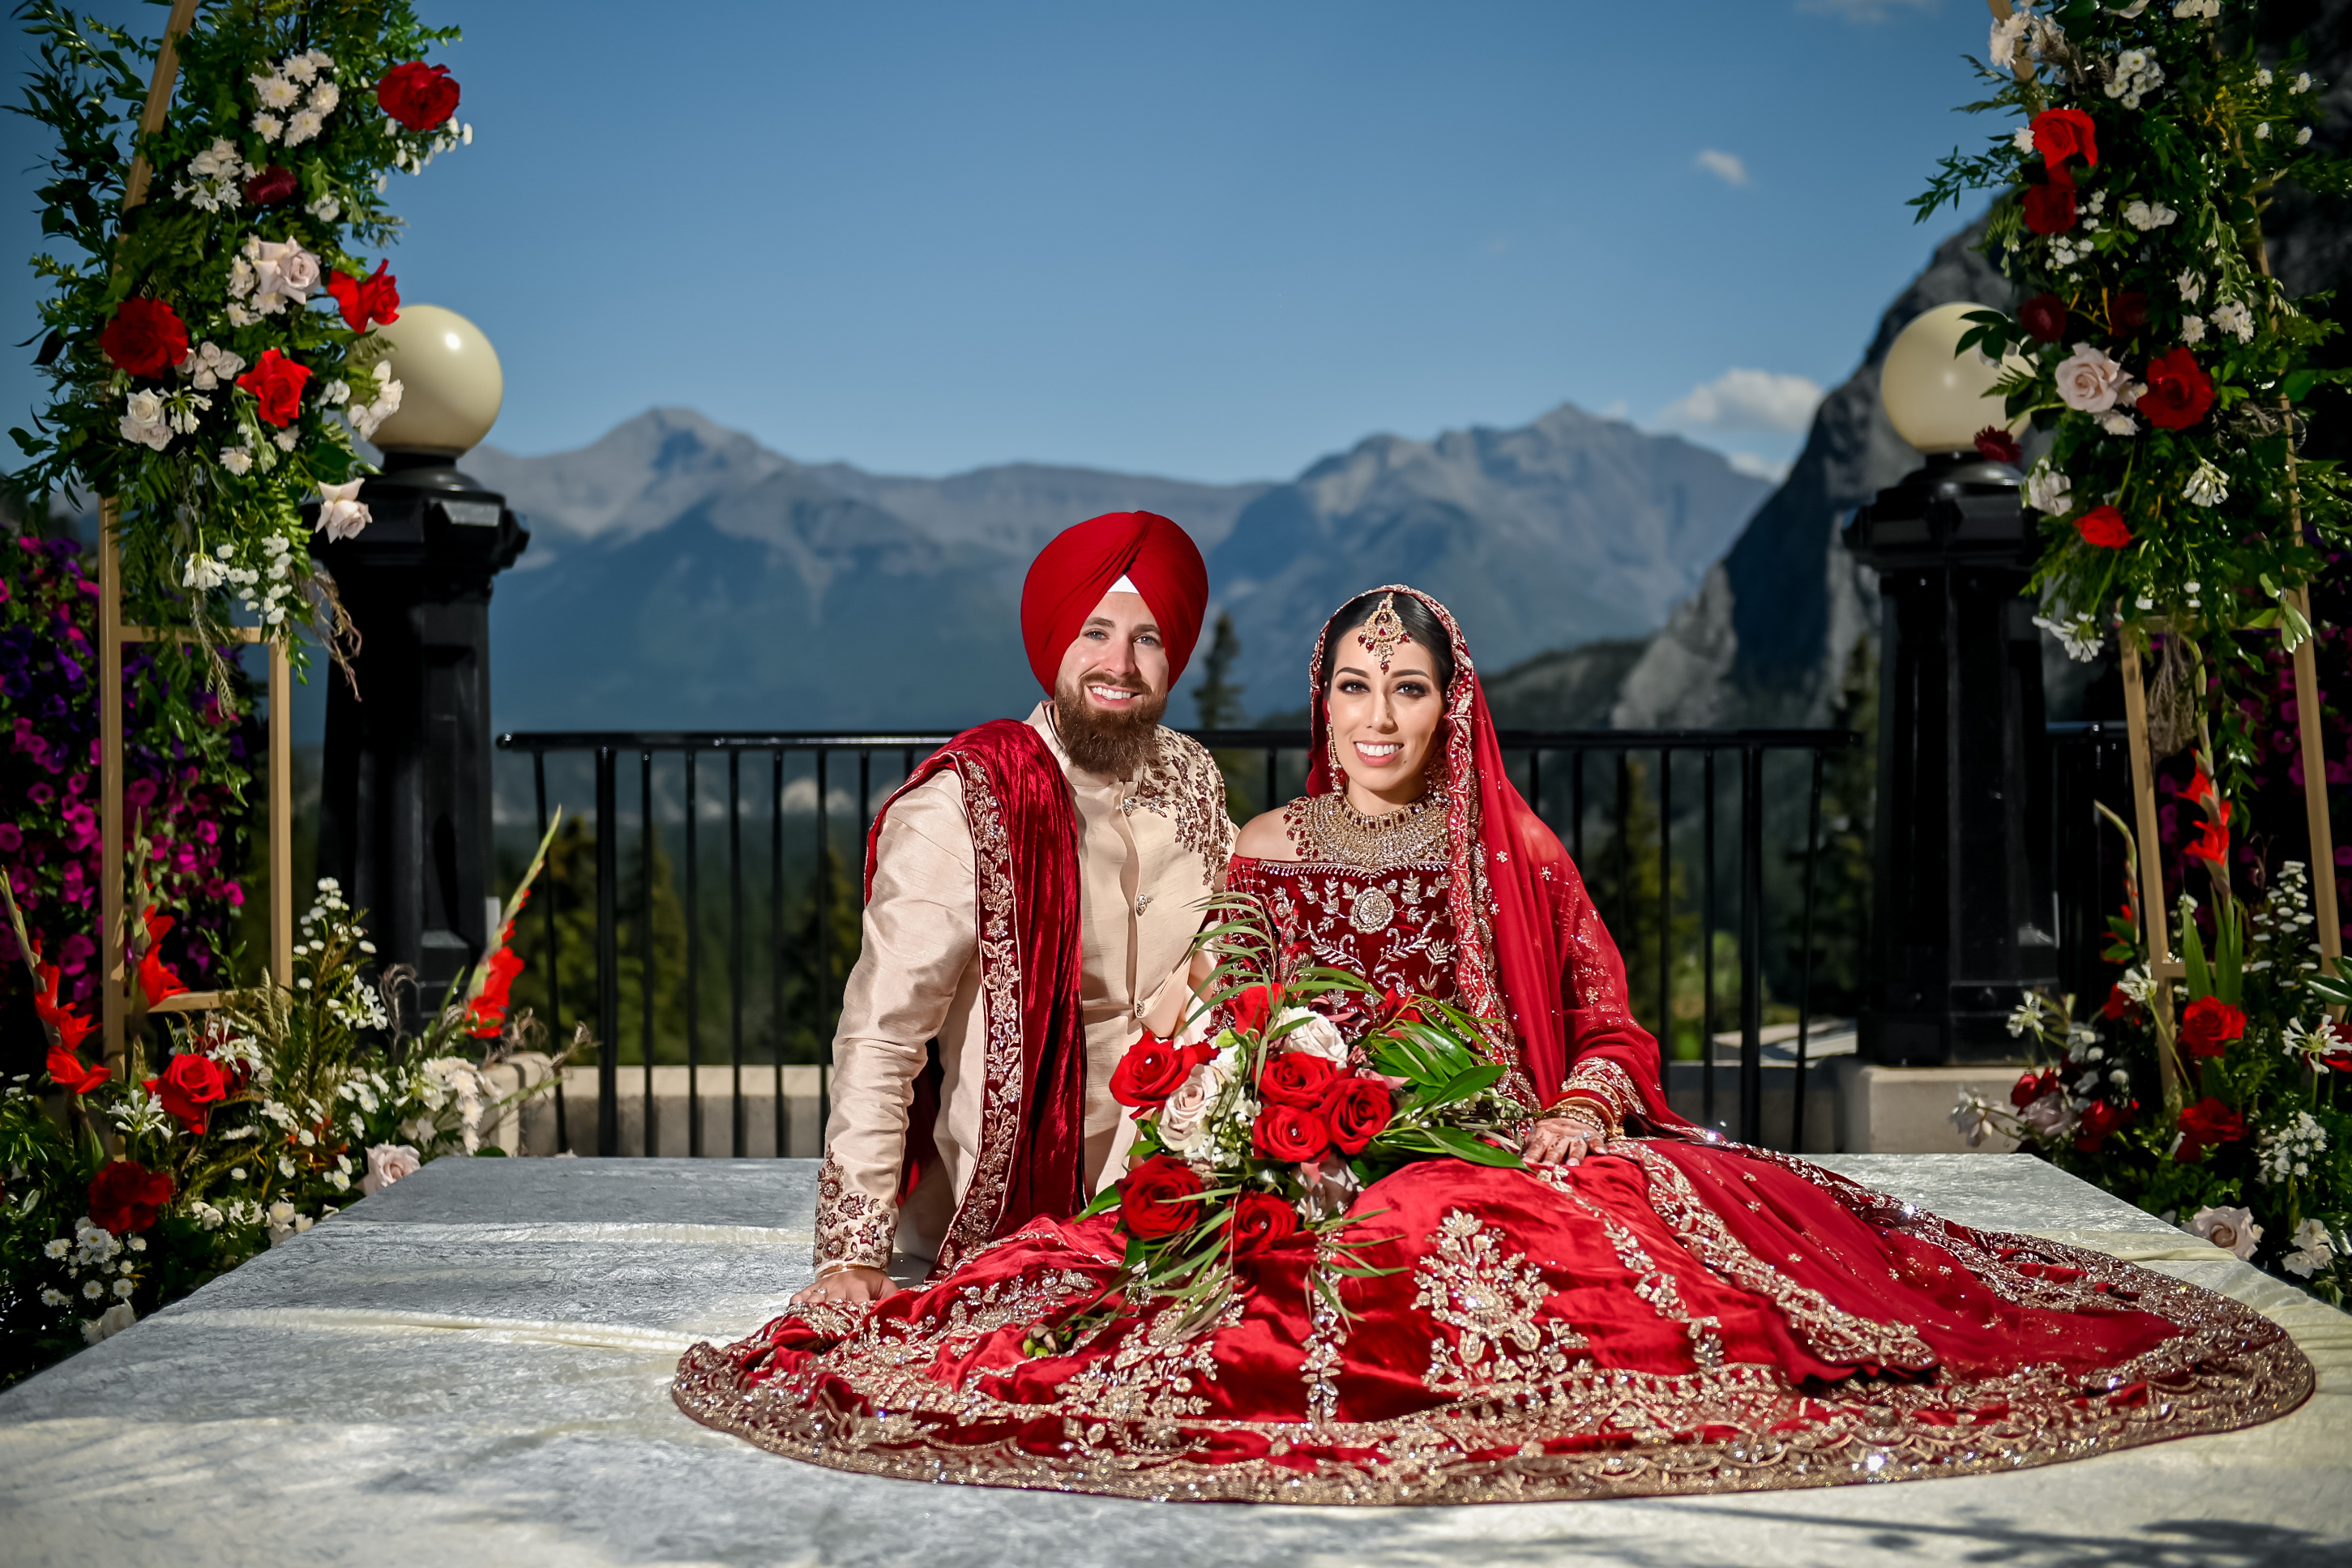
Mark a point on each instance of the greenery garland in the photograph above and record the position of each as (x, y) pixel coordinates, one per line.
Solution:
(212, 350)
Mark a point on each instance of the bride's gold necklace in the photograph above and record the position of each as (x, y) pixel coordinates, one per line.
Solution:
(1328, 828)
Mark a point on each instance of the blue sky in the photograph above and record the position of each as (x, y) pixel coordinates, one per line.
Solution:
(1209, 240)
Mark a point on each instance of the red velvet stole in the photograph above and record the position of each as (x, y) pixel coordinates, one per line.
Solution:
(1024, 830)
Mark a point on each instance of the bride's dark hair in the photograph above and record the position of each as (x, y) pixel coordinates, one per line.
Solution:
(1419, 624)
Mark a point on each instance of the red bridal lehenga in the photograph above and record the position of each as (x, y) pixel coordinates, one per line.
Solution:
(1678, 1314)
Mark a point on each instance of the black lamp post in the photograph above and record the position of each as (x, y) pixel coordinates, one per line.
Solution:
(404, 818)
(1964, 919)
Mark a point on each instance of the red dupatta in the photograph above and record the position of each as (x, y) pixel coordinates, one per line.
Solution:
(1535, 955)
(1025, 836)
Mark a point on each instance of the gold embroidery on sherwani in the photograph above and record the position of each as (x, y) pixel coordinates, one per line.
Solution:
(1491, 1300)
(1183, 784)
(851, 1228)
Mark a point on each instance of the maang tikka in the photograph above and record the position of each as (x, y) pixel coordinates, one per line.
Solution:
(1383, 632)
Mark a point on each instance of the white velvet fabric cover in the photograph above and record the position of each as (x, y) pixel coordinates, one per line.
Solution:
(472, 1367)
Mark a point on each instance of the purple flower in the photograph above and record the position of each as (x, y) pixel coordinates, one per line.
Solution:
(12, 838)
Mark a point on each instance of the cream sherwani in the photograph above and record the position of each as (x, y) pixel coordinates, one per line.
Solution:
(1150, 850)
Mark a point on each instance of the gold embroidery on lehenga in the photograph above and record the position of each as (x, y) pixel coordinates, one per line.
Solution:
(1738, 1427)
(1654, 1284)
(1149, 1378)
(1491, 1301)
(852, 1227)
(1828, 1331)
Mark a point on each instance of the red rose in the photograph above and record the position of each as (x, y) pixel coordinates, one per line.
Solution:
(2098, 1120)
(1261, 1220)
(1358, 1109)
(2128, 312)
(1152, 1070)
(2119, 1005)
(2209, 1025)
(2178, 393)
(2045, 316)
(1154, 1199)
(1997, 446)
(2030, 1087)
(2060, 134)
(374, 298)
(1295, 1077)
(75, 1076)
(189, 1087)
(1290, 1134)
(271, 187)
(1251, 1008)
(275, 383)
(146, 336)
(2049, 209)
(417, 95)
(2104, 526)
(2207, 1123)
(125, 1195)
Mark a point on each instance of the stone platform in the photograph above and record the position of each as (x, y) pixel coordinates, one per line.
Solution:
(472, 1368)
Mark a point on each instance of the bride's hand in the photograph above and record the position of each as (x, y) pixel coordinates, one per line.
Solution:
(848, 1285)
(1564, 1140)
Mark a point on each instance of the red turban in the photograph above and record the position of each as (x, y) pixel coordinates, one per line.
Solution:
(1071, 575)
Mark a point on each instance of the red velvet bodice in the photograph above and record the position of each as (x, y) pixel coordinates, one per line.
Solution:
(1390, 927)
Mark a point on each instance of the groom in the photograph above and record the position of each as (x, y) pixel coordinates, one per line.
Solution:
(1031, 894)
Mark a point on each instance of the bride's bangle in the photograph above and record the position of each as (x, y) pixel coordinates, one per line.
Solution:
(1580, 1109)
(837, 1266)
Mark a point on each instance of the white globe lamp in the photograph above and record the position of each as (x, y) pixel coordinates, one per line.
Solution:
(451, 384)
(1936, 395)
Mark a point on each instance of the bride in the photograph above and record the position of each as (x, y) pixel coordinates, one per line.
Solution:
(1644, 1309)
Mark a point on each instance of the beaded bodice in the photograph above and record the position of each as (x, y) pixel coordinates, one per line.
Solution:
(1391, 926)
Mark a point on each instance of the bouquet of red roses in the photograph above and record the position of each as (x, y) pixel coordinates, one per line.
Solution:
(1259, 1135)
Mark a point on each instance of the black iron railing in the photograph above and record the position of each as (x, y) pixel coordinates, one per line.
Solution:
(1739, 811)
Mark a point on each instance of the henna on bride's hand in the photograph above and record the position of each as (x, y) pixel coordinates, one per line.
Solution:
(848, 1286)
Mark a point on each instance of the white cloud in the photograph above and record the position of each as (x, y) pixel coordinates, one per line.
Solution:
(1756, 467)
(1862, 10)
(1617, 409)
(1745, 400)
(1728, 167)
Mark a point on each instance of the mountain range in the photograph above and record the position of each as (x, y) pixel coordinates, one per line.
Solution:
(682, 576)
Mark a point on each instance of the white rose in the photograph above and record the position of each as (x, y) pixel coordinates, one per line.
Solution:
(2050, 1118)
(1315, 1033)
(108, 1323)
(2088, 379)
(387, 1163)
(2232, 1230)
(2048, 490)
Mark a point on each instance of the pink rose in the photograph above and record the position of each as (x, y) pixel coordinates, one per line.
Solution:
(387, 1163)
(2088, 380)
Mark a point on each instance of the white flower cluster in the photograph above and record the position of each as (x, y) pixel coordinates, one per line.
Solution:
(2080, 635)
(210, 367)
(263, 593)
(152, 418)
(216, 179)
(266, 276)
(288, 112)
(2192, 329)
(2147, 216)
(2048, 490)
(2134, 75)
(2208, 487)
(451, 135)
(2287, 1152)
(2196, 10)
(2019, 35)
(139, 1115)
(2232, 316)
(382, 394)
(2314, 1248)
(446, 1079)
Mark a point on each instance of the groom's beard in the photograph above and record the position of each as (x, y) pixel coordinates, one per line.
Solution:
(1107, 745)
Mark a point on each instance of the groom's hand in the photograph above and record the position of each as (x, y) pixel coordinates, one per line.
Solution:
(847, 1285)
